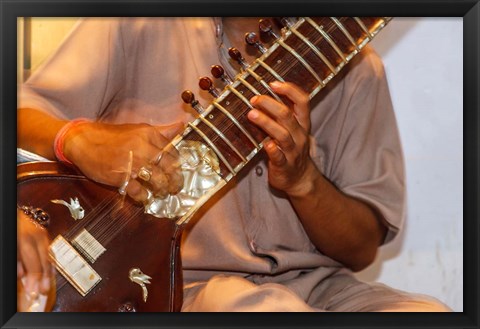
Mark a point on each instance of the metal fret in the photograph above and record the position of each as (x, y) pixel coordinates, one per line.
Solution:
(249, 86)
(328, 38)
(212, 145)
(317, 52)
(239, 95)
(301, 60)
(380, 25)
(223, 137)
(235, 121)
(264, 84)
(363, 27)
(345, 32)
(270, 70)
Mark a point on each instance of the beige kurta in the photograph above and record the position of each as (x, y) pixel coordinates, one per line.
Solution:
(134, 70)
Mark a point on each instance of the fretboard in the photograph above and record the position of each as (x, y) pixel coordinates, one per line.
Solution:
(309, 54)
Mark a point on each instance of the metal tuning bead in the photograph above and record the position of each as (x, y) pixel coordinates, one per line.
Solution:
(237, 56)
(219, 73)
(205, 83)
(252, 39)
(189, 98)
(38, 215)
(265, 26)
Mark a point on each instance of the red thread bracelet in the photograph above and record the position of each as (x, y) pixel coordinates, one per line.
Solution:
(60, 139)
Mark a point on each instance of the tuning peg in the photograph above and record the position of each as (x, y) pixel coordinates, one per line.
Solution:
(189, 98)
(206, 83)
(237, 56)
(287, 21)
(265, 25)
(252, 39)
(219, 73)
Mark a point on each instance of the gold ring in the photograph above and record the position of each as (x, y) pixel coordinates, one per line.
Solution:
(144, 174)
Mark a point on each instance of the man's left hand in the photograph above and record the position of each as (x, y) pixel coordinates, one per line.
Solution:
(290, 167)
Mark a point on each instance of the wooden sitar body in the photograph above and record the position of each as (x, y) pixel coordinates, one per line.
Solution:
(134, 240)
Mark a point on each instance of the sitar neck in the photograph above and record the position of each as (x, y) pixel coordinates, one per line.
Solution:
(309, 54)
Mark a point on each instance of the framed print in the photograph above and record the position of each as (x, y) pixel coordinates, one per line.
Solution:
(438, 131)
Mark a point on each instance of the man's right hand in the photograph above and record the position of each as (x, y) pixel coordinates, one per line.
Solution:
(102, 152)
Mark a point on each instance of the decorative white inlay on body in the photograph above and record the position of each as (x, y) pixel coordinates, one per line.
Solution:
(76, 210)
(200, 167)
(72, 266)
(88, 245)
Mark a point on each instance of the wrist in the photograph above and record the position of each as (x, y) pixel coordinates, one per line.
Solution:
(307, 184)
(59, 144)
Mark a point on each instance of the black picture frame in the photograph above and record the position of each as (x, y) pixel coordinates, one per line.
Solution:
(11, 9)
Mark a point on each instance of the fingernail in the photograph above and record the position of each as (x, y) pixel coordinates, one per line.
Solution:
(254, 99)
(271, 145)
(20, 270)
(276, 84)
(45, 284)
(253, 114)
(32, 285)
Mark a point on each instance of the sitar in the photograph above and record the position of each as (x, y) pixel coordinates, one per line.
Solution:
(113, 255)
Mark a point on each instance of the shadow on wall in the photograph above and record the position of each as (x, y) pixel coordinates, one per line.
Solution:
(383, 44)
(385, 253)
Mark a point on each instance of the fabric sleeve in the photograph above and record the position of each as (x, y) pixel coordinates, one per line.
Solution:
(367, 162)
(82, 77)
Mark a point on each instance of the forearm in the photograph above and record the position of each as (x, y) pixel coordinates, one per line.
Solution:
(340, 226)
(36, 131)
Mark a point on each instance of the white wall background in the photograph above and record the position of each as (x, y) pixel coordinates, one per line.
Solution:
(423, 60)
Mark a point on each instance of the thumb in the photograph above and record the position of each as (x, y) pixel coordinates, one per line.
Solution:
(172, 130)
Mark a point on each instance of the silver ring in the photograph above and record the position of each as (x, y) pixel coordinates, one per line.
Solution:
(123, 189)
(149, 199)
(158, 158)
(144, 174)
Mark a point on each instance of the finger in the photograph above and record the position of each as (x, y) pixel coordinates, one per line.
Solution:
(46, 283)
(30, 257)
(137, 191)
(158, 183)
(171, 165)
(170, 131)
(32, 266)
(168, 157)
(273, 129)
(300, 100)
(175, 182)
(168, 160)
(160, 136)
(276, 156)
(20, 269)
(277, 111)
(283, 115)
(32, 283)
(42, 247)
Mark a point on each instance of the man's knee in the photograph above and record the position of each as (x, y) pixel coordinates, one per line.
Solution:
(216, 295)
(420, 304)
(236, 294)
